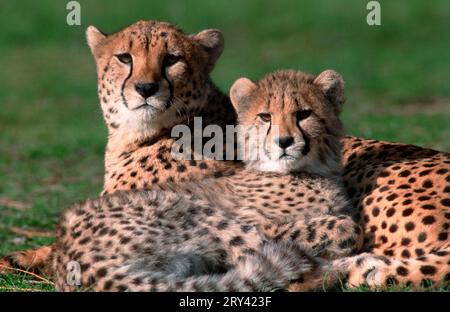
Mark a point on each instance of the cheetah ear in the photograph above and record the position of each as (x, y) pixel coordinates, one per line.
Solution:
(241, 92)
(213, 43)
(94, 38)
(332, 84)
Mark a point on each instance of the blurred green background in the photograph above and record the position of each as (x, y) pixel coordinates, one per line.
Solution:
(52, 134)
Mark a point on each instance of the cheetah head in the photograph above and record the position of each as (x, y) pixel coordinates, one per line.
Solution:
(297, 120)
(151, 75)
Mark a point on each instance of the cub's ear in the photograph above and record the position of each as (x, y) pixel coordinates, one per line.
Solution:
(94, 38)
(332, 85)
(212, 41)
(241, 92)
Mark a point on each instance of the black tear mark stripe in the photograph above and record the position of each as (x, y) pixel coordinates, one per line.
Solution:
(164, 75)
(265, 140)
(171, 93)
(123, 85)
(307, 148)
(266, 152)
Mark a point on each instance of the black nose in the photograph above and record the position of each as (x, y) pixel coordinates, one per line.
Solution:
(146, 89)
(284, 141)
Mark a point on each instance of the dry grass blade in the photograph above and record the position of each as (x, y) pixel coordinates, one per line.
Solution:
(26, 272)
(19, 289)
(6, 202)
(37, 282)
(31, 233)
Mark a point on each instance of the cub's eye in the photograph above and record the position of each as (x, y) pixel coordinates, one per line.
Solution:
(266, 117)
(171, 59)
(125, 58)
(303, 114)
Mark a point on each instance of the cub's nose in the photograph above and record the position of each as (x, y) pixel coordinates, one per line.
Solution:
(146, 89)
(284, 141)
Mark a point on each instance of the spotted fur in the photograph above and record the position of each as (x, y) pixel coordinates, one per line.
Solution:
(403, 196)
(180, 238)
(372, 173)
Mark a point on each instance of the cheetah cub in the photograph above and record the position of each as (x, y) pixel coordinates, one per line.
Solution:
(183, 237)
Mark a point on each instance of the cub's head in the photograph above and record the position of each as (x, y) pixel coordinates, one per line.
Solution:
(151, 75)
(296, 118)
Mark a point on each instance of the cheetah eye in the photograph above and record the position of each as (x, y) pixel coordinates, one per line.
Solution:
(266, 117)
(125, 58)
(170, 59)
(303, 114)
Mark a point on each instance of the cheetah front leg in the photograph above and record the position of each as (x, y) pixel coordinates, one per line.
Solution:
(380, 272)
(32, 260)
(329, 237)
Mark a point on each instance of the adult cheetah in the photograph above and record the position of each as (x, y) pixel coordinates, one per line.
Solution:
(138, 153)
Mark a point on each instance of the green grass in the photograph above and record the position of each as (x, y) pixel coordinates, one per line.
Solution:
(52, 135)
(23, 282)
